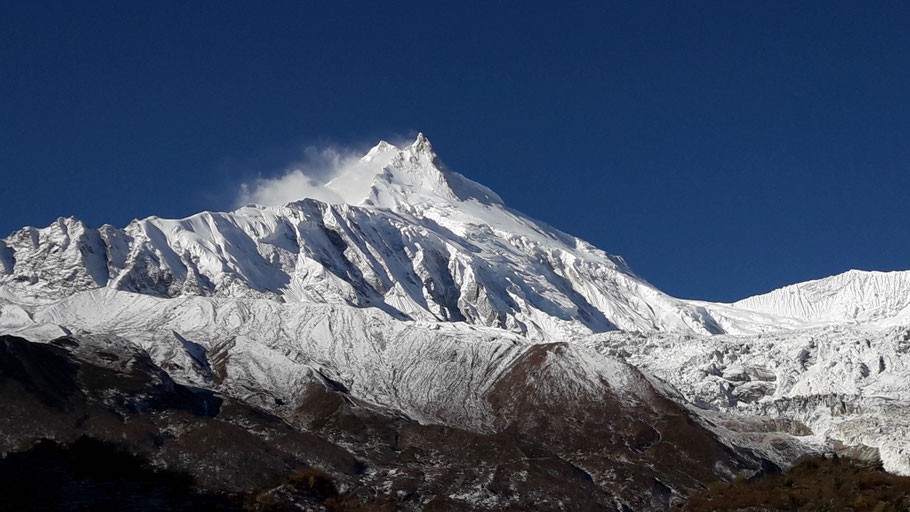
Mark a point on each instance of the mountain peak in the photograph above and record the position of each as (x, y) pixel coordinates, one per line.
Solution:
(382, 147)
(392, 177)
(422, 145)
(416, 175)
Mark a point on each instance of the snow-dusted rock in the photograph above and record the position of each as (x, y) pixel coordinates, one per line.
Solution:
(846, 383)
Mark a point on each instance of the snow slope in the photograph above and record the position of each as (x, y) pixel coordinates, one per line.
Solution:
(852, 297)
(434, 372)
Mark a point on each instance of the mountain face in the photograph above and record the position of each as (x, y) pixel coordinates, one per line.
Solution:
(421, 243)
(416, 311)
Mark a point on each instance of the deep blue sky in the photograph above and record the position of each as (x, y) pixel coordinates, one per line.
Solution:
(723, 148)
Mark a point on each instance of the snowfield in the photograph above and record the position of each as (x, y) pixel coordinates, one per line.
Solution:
(421, 288)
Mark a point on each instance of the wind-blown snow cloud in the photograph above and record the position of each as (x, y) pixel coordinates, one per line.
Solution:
(301, 180)
(308, 177)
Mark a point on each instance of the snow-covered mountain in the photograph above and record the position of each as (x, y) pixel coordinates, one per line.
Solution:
(420, 292)
(852, 297)
(417, 240)
(421, 242)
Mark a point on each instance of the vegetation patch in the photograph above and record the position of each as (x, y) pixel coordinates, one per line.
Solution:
(812, 484)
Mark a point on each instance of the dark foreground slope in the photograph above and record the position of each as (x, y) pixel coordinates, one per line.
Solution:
(812, 484)
(551, 449)
(93, 475)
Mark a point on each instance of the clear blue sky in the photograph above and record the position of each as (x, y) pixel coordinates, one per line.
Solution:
(723, 148)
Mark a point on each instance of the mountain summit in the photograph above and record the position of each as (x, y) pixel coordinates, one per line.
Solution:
(390, 177)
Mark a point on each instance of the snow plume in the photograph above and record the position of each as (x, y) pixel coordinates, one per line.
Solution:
(304, 179)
